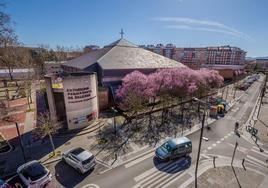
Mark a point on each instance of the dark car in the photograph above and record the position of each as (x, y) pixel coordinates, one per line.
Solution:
(174, 148)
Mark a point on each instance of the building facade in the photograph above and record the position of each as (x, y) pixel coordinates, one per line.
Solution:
(196, 57)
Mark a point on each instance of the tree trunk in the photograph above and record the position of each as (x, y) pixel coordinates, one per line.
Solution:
(10, 73)
(52, 143)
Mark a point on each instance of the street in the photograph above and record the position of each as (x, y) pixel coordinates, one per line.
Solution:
(146, 171)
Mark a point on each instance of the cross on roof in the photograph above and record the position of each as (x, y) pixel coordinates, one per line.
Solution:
(122, 33)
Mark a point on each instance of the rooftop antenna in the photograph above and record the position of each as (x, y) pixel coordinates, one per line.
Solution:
(122, 33)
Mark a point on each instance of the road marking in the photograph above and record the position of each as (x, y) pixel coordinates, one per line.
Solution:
(265, 154)
(229, 134)
(136, 161)
(205, 151)
(155, 175)
(239, 148)
(222, 139)
(257, 160)
(218, 142)
(163, 177)
(209, 148)
(257, 148)
(162, 166)
(214, 145)
(173, 180)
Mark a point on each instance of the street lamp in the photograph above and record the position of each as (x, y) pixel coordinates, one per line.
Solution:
(201, 137)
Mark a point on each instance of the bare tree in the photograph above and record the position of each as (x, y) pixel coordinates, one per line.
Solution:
(47, 127)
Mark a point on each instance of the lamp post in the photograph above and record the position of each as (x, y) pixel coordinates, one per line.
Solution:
(200, 139)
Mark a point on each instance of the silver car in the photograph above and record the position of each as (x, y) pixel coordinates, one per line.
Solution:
(80, 159)
(34, 174)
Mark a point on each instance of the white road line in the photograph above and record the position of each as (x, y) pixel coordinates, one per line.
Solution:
(154, 177)
(214, 145)
(173, 180)
(257, 148)
(136, 161)
(209, 148)
(257, 160)
(205, 151)
(229, 134)
(218, 142)
(265, 154)
(226, 136)
(162, 167)
(239, 148)
(222, 139)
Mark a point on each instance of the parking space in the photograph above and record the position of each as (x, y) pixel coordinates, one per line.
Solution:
(66, 176)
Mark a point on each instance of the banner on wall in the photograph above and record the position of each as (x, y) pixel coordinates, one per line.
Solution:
(81, 101)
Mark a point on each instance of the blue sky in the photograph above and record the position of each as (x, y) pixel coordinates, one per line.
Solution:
(186, 23)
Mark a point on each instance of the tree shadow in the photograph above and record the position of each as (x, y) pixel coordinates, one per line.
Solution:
(173, 166)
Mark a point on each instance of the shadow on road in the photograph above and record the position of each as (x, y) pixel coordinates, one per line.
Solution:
(173, 166)
(67, 176)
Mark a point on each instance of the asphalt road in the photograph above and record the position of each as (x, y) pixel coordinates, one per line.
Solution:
(146, 171)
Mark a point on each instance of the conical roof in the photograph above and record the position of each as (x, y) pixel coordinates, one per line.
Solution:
(123, 54)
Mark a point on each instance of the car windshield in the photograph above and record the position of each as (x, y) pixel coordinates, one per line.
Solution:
(166, 147)
(34, 171)
(87, 160)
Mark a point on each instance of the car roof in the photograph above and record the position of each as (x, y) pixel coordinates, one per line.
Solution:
(80, 153)
(176, 141)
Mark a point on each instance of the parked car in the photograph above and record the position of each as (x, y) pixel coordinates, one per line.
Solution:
(4, 184)
(34, 175)
(80, 159)
(174, 148)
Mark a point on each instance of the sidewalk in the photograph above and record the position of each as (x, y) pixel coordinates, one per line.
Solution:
(231, 177)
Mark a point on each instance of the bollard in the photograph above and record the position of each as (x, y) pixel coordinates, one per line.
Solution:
(214, 162)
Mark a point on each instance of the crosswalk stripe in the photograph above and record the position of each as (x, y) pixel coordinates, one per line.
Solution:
(253, 163)
(265, 154)
(155, 176)
(132, 163)
(257, 160)
(162, 171)
(148, 173)
(157, 180)
(257, 148)
(165, 181)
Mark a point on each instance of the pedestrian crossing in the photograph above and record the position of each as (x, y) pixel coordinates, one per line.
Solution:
(168, 174)
(258, 158)
(162, 174)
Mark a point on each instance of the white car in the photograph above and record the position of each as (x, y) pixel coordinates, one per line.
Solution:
(80, 159)
(34, 174)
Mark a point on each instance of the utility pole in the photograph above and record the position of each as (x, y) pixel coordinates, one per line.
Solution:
(200, 140)
(236, 144)
(21, 145)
